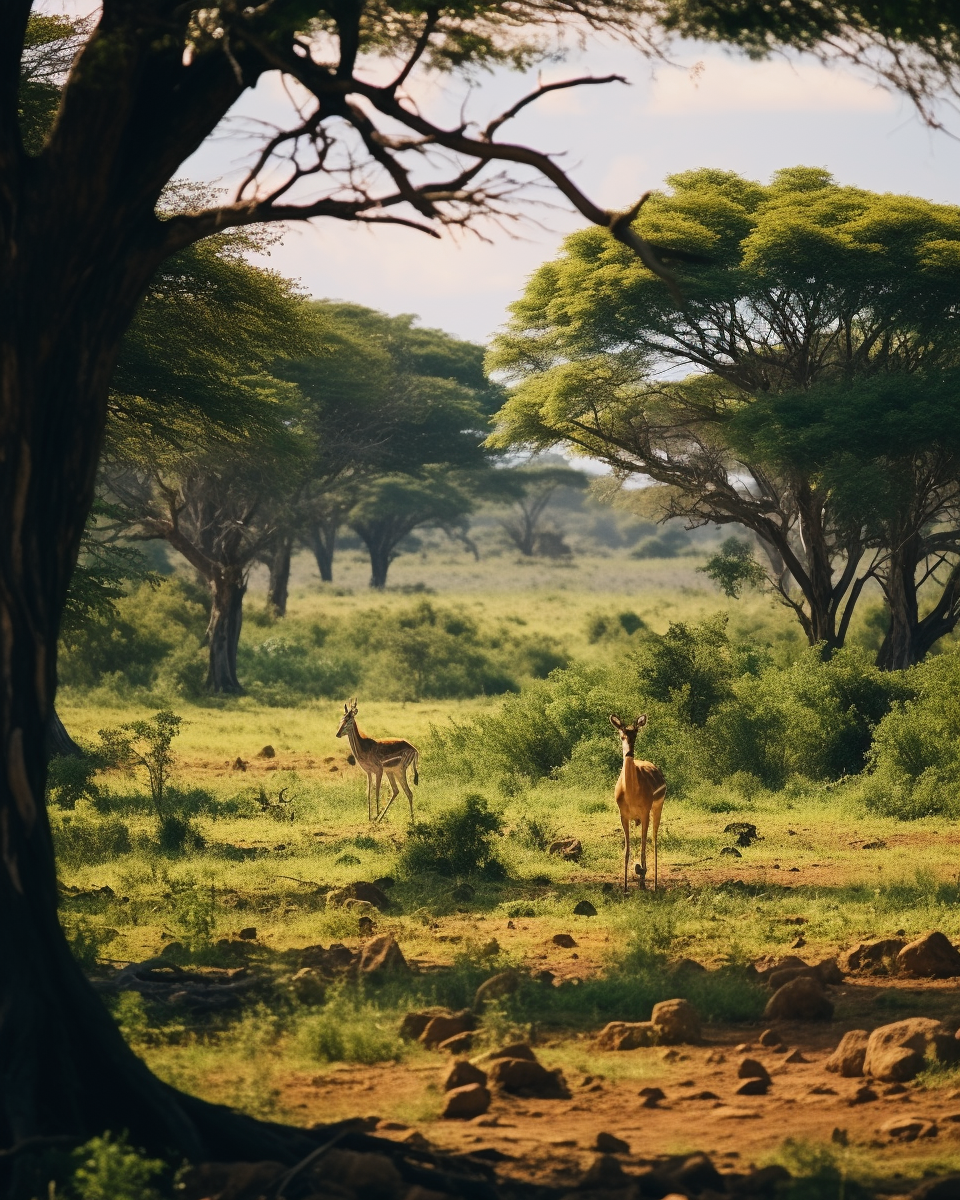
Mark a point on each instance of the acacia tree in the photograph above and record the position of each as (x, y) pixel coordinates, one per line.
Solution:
(536, 486)
(811, 286)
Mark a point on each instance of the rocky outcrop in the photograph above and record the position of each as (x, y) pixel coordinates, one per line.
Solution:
(676, 1023)
(382, 956)
(898, 1052)
(872, 958)
(802, 999)
(932, 956)
(626, 1035)
(847, 1059)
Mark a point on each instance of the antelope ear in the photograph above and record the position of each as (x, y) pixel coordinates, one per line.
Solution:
(641, 720)
(615, 721)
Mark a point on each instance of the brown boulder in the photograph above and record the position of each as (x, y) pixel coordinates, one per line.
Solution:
(872, 958)
(932, 956)
(770, 1038)
(847, 1059)
(565, 940)
(766, 965)
(584, 909)
(360, 890)
(626, 1035)
(750, 1068)
(446, 1025)
(496, 987)
(675, 1023)
(514, 1050)
(608, 1143)
(382, 955)
(415, 1022)
(520, 1076)
(908, 1129)
(464, 1103)
(462, 1073)
(753, 1087)
(829, 971)
(460, 1043)
(604, 1173)
(896, 1052)
(802, 999)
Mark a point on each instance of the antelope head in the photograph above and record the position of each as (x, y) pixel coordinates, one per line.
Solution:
(628, 733)
(349, 716)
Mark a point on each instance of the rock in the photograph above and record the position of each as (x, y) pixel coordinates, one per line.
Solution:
(766, 966)
(520, 1076)
(249, 934)
(697, 1174)
(496, 987)
(863, 1095)
(945, 1188)
(267, 752)
(238, 764)
(381, 955)
(753, 1087)
(415, 1022)
(608, 1143)
(744, 832)
(464, 1103)
(770, 1038)
(569, 848)
(829, 971)
(750, 1068)
(908, 1129)
(732, 851)
(564, 939)
(798, 942)
(308, 986)
(801, 999)
(462, 1073)
(604, 1172)
(514, 1050)
(651, 1096)
(415, 1139)
(626, 1035)
(932, 956)
(584, 909)
(675, 1023)
(872, 958)
(446, 1025)
(896, 1052)
(360, 890)
(365, 926)
(460, 1043)
(795, 1057)
(847, 1059)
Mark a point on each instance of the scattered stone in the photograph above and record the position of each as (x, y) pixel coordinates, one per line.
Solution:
(896, 1052)
(847, 1059)
(308, 986)
(565, 940)
(496, 987)
(795, 1057)
(415, 1139)
(650, 1097)
(381, 955)
(584, 909)
(801, 999)
(750, 1068)
(829, 971)
(446, 1025)
(460, 1043)
(360, 890)
(626, 1035)
(267, 752)
(568, 848)
(873, 958)
(744, 832)
(514, 1050)
(863, 1095)
(248, 935)
(908, 1129)
(753, 1087)
(461, 1073)
(932, 956)
(365, 926)
(520, 1076)
(732, 851)
(770, 1038)
(701, 1096)
(604, 1172)
(768, 965)
(414, 1023)
(463, 1103)
(676, 1022)
(894, 1089)
(608, 1143)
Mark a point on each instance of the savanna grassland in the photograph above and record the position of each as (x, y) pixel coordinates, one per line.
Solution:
(503, 675)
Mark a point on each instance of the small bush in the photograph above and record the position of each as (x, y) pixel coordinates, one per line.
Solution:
(87, 940)
(535, 832)
(194, 909)
(178, 835)
(108, 1168)
(283, 672)
(338, 1034)
(81, 838)
(70, 777)
(457, 842)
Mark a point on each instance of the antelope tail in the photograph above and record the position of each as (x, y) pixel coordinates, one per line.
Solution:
(416, 773)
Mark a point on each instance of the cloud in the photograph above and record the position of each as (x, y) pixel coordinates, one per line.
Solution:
(718, 84)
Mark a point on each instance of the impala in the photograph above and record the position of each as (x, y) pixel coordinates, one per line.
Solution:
(639, 794)
(379, 757)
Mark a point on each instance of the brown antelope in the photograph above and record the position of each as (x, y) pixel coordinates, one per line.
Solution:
(390, 756)
(639, 794)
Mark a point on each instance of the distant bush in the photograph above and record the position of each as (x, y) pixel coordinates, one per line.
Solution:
(668, 544)
(70, 777)
(457, 842)
(82, 838)
(107, 1168)
(605, 626)
(345, 1032)
(915, 756)
(283, 672)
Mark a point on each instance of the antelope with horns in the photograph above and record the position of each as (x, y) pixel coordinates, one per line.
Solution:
(639, 794)
(379, 757)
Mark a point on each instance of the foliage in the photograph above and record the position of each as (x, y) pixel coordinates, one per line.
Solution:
(459, 841)
(70, 777)
(733, 568)
(690, 667)
(145, 744)
(602, 626)
(108, 1168)
(84, 838)
(348, 1030)
(193, 907)
(287, 670)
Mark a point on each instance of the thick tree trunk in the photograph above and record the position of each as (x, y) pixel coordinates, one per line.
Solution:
(59, 742)
(380, 560)
(227, 590)
(279, 586)
(909, 638)
(323, 543)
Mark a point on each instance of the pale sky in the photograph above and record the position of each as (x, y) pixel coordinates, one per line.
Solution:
(617, 141)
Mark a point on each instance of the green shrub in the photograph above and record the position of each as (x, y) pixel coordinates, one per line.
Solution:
(70, 777)
(282, 672)
(690, 667)
(606, 626)
(79, 837)
(193, 907)
(107, 1168)
(86, 939)
(457, 842)
(342, 1033)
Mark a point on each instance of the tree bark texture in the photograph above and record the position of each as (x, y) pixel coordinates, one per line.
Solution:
(323, 543)
(279, 587)
(910, 637)
(227, 589)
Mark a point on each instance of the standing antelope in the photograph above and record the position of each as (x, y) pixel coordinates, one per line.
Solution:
(639, 794)
(390, 756)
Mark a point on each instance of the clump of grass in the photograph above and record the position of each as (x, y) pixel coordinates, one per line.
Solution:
(349, 1030)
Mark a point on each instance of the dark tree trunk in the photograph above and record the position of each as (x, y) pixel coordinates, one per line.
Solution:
(909, 638)
(382, 536)
(59, 742)
(323, 543)
(380, 560)
(279, 565)
(227, 590)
